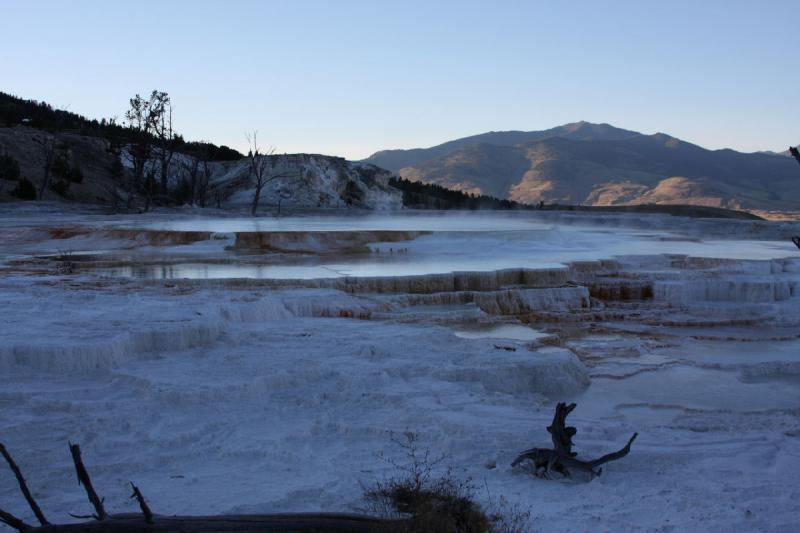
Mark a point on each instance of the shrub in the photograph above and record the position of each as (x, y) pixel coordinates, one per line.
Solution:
(75, 174)
(9, 168)
(440, 506)
(436, 504)
(65, 263)
(25, 190)
(61, 187)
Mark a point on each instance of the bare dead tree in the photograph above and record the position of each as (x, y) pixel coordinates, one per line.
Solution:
(205, 160)
(796, 154)
(47, 144)
(284, 193)
(191, 168)
(561, 458)
(142, 120)
(197, 172)
(203, 189)
(166, 141)
(263, 169)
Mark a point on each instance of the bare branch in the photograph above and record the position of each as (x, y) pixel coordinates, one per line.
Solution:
(85, 480)
(47, 144)
(614, 455)
(12, 521)
(148, 515)
(23, 486)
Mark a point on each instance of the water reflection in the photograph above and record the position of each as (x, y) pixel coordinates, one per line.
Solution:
(478, 242)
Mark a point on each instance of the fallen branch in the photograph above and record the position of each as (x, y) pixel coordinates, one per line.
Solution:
(561, 458)
(85, 480)
(23, 486)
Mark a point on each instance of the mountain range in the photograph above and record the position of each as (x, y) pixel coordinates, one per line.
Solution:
(599, 164)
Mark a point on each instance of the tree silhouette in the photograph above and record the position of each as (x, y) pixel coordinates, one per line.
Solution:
(795, 153)
(264, 168)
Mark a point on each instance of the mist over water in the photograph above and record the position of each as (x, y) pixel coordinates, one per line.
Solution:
(476, 221)
(474, 241)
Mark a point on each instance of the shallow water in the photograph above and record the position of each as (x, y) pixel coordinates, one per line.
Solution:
(458, 252)
(411, 221)
(458, 242)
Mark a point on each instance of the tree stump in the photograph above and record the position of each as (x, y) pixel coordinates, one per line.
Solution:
(561, 458)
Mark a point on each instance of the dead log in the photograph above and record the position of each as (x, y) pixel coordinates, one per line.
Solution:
(298, 523)
(561, 458)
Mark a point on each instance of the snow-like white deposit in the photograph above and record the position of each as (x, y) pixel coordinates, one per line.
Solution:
(310, 181)
(291, 180)
(266, 395)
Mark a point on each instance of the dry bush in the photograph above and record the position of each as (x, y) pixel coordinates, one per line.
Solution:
(65, 263)
(436, 503)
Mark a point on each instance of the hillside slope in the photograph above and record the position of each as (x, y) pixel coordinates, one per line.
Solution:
(598, 164)
(315, 180)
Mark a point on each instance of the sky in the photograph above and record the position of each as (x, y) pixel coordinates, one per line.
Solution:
(353, 77)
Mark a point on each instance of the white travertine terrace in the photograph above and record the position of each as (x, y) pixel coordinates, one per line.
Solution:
(294, 386)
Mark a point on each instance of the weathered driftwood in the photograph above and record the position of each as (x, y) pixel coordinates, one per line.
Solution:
(560, 433)
(148, 522)
(561, 458)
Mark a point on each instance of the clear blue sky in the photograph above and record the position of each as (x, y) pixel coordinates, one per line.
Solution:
(352, 77)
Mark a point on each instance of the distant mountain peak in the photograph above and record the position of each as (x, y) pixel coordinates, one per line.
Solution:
(600, 164)
(582, 131)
